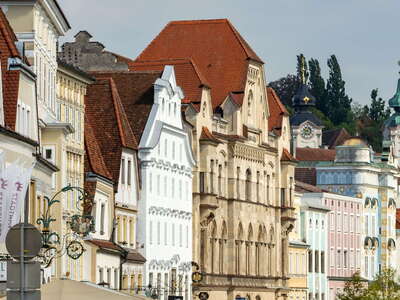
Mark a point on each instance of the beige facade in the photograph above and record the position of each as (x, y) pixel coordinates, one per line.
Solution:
(297, 258)
(242, 197)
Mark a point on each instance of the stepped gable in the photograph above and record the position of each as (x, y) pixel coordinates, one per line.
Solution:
(187, 75)
(136, 93)
(334, 137)
(276, 112)
(107, 118)
(219, 52)
(10, 78)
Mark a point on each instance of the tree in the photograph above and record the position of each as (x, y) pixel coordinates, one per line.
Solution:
(317, 85)
(377, 111)
(286, 88)
(339, 104)
(384, 287)
(355, 289)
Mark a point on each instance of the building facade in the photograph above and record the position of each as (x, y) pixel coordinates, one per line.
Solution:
(242, 168)
(165, 210)
(354, 173)
(314, 231)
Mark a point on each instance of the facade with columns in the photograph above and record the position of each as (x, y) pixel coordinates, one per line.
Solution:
(243, 180)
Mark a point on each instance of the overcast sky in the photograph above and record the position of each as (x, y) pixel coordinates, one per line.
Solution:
(363, 34)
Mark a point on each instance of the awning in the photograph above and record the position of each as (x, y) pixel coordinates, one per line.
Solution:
(65, 289)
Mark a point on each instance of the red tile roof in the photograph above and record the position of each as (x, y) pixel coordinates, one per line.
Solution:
(136, 93)
(107, 118)
(276, 111)
(105, 244)
(237, 97)
(217, 49)
(398, 218)
(286, 156)
(206, 135)
(315, 154)
(94, 161)
(186, 72)
(10, 78)
(303, 187)
(334, 137)
(307, 175)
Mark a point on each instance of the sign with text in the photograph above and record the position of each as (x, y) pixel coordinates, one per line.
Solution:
(14, 181)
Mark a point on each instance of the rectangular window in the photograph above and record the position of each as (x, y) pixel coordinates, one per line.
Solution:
(322, 261)
(366, 267)
(165, 233)
(172, 187)
(310, 261)
(339, 222)
(129, 172)
(132, 231)
(151, 182)
(372, 266)
(102, 219)
(158, 233)
(332, 220)
(151, 232)
(366, 225)
(332, 257)
(187, 236)
(180, 235)
(283, 198)
(345, 259)
(123, 171)
(338, 258)
(158, 184)
(173, 234)
(316, 261)
(202, 181)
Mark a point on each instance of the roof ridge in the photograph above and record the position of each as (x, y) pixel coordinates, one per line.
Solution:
(199, 21)
(242, 43)
(120, 112)
(9, 35)
(278, 101)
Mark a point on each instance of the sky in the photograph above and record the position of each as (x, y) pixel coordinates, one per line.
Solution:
(363, 34)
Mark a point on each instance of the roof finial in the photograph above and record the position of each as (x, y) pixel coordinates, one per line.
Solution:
(303, 70)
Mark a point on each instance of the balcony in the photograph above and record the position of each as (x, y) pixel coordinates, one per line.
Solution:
(208, 201)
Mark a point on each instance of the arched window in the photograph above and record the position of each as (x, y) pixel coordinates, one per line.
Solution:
(268, 184)
(222, 248)
(248, 250)
(238, 246)
(238, 183)
(258, 186)
(212, 176)
(250, 106)
(213, 251)
(248, 185)
(220, 180)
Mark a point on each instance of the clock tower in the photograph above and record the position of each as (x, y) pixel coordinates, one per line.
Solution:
(306, 127)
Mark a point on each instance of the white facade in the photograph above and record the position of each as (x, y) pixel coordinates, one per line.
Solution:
(165, 207)
(307, 135)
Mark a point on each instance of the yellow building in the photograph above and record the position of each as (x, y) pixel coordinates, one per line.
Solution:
(298, 250)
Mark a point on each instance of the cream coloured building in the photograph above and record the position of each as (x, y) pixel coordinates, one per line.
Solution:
(244, 178)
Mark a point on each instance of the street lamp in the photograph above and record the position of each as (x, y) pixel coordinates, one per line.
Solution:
(80, 224)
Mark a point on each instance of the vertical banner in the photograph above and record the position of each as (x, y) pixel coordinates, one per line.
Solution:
(14, 182)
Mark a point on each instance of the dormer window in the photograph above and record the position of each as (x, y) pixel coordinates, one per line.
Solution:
(249, 105)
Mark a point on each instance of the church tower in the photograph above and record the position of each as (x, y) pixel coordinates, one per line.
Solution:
(391, 131)
(306, 127)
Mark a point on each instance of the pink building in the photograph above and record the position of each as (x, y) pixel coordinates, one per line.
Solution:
(344, 240)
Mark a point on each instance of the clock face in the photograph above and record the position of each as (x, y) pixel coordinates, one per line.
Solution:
(307, 131)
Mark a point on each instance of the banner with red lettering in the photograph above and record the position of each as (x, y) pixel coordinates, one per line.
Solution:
(14, 182)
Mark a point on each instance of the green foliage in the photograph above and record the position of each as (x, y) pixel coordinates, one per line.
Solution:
(377, 111)
(317, 85)
(286, 88)
(385, 286)
(339, 104)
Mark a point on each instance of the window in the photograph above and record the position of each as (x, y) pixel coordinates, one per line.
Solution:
(372, 266)
(151, 232)
(131, 231)
(373, 231)
(180, 235)
(316, 261)
(165, 233)
(268, 182)
(366, 225)
(129, 172)
(172, 187)
(151, 182)
(123, 171)
(248, 185)
(102, 219)
(165, 148)
(332, 257)
(339, 222)
(345, 259)
(173, 150)
(173, 234)
(366, 266)
(322, 261)
(310, 261)
(158, 184)
(283, 198)
(165, 186)
(201, 178)
(158, 232)
(101, 275)
(187, 236)
(338, 258)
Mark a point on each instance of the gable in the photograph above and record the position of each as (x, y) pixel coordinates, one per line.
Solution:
(220, 53)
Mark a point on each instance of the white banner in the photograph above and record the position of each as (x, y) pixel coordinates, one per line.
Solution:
(14, 182)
